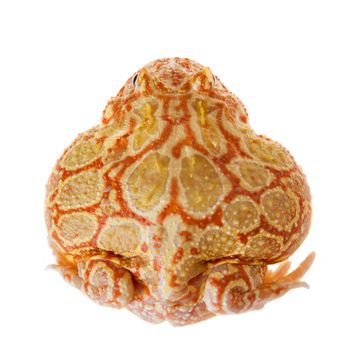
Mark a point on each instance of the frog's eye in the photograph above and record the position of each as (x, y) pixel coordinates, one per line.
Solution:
(134, 79)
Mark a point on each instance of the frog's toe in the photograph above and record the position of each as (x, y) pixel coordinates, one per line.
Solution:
(106, 282)
(279, 273)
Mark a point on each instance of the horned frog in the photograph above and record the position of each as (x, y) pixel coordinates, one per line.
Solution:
(173, 207)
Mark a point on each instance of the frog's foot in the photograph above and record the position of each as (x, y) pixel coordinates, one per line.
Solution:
(234, 288)
(103, 280)
(184, 311)
(279, 273)
(145, 306)
(183, 315)
(190, 308)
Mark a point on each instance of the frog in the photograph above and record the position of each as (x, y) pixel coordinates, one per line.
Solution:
(173, 207)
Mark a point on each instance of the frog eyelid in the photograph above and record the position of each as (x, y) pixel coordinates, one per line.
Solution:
(134, 79)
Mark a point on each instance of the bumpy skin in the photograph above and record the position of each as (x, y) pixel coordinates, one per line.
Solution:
(172, 206)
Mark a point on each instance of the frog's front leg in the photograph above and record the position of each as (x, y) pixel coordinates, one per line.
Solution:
(234, 288)
(101, 279)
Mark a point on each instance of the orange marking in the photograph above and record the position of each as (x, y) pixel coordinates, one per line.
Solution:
(194, 251)
(243, 118)
(157, 241)
(156, 263)
(178, 255)
(172, 282)
(187, 235)
(144, 247)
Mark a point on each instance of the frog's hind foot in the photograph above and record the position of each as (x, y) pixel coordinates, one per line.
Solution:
(234, 288)
(280, 274)
(103, 280)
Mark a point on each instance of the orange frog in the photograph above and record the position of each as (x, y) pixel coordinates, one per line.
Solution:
(173, 207)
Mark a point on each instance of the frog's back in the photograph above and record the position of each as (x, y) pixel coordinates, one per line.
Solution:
(174, 153)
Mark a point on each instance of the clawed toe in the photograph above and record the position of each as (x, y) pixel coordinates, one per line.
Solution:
(279, 273)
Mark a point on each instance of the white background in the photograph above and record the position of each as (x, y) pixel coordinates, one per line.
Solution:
(61, 61)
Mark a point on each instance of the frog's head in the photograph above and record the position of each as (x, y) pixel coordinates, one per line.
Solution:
(169, 79)
(171, 76)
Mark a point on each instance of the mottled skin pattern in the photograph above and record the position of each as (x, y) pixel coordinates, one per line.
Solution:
(173, 207)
